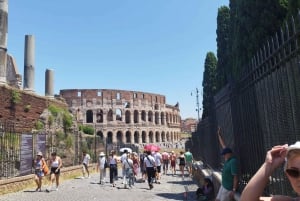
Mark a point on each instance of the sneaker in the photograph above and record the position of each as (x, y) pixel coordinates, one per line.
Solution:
(56, 188)
(151, 186)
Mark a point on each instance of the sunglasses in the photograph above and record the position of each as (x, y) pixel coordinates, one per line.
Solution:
(294, 173)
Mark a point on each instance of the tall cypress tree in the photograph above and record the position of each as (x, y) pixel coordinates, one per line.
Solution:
(209, 83)
(223, 28)
(252, 23)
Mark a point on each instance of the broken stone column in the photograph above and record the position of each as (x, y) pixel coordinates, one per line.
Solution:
(29, 63)
(49, 84)
(3, 40)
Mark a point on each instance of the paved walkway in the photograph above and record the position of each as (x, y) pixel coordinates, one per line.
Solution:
(171, 188)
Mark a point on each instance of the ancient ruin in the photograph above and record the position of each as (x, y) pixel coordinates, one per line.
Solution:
(121, 116)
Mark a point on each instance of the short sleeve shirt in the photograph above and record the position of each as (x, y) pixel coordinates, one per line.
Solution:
(229, 171)
(86, 159)
(188, 156)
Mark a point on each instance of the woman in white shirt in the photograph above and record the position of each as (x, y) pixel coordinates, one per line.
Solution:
(55, 164)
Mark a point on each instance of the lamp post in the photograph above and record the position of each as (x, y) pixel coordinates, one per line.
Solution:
(95, 138)
(197, 103)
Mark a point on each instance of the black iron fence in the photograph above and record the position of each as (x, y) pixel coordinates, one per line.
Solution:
(260, 110)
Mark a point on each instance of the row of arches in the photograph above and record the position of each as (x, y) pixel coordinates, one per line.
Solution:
(137, 137)
(131, 116)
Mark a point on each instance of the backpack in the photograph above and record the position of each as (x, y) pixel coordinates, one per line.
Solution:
(45, 167)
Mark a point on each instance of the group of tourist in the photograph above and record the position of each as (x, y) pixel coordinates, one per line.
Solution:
(40, 165)
(148, 165)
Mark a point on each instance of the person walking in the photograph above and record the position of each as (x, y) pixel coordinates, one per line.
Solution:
(85, 164)
(142, 167)
(173, 162)
(101, 167)
(55, 165)
(229, 173)
(124, 156)
(38, 170)
(149, 163)
(128, 169)
(181, 163)
(113, 173)
(189, 161)
(165, 161)
(158, 161)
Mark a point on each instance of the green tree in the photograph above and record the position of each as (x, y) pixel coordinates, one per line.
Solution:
(209, 83)
(252, 23)
(223, 28)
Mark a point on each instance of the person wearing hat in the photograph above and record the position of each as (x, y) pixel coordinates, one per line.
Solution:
(229, 173)
(101, 167)
(275, 157)
(38, 170)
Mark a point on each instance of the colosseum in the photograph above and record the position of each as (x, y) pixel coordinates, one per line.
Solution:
(126, 117)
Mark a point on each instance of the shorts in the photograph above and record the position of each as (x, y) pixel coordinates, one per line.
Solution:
(158, 169)
(39, 173)
(53, 171)
(189, 163)
(223, 194)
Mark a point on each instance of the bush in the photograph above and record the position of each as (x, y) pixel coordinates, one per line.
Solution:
(39, 125)
(15, 97)
(54, 110)
(88, 130)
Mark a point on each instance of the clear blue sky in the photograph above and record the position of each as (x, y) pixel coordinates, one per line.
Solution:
(156, 46)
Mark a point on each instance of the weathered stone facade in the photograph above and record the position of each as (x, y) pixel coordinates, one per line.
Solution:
(125, 116)
(26, 111)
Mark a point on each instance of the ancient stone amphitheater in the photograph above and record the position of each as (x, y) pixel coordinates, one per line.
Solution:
(128, 117)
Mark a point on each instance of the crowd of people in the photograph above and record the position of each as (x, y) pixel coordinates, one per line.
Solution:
(149, 167)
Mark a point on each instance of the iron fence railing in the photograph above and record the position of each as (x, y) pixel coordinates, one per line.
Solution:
(260, 110)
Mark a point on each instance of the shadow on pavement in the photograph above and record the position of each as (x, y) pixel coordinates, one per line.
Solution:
(183, 182)
(173, 196)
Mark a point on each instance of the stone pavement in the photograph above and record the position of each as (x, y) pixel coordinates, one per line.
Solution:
(89, 189)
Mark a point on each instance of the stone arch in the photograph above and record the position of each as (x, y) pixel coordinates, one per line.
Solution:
(136, 116)
(109, 137)
(144, 134)
(127, 117)
(136, 137)
(89, 116)
(150, 116)
(157, 136)
(162, 118)
(110, 115)
(168, 137)
(119, 137)
(163, 136)
(118, 114)
(100, 135)
(151, 137)
(128, 137)
(156, 118)
(99, 116)
(143, 117)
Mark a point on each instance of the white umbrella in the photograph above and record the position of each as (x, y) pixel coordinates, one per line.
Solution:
(125, 148)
